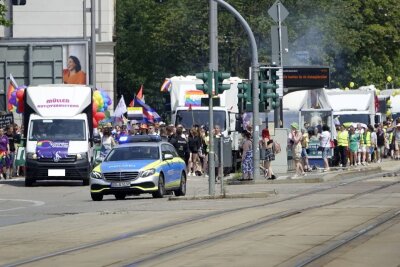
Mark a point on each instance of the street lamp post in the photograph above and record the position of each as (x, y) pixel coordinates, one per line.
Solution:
(255, 67)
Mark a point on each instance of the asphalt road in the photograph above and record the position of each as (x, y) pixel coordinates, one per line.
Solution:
(56, 223)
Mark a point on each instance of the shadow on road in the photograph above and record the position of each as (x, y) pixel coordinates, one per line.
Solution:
(21, 183)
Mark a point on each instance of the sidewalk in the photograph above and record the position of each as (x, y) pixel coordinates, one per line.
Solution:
(197, 187)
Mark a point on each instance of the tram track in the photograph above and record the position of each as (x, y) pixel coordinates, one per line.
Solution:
(251, 225)
(220, 235)
(332, 247)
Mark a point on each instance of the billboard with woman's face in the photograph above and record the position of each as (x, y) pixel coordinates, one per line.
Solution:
(75, 64)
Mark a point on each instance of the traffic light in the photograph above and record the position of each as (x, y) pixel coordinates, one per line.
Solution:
(269, 99)
(206, 87)
(219, 78)
(244, 96)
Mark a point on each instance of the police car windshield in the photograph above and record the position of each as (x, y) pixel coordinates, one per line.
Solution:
(133, 153)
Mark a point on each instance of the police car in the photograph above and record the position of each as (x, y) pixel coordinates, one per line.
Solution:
(140, 164)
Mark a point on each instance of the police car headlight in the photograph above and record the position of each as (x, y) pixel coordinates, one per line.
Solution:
(31, 155)
(147, 173)
(96, 175)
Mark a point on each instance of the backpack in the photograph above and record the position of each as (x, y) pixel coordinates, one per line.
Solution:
(276, 147)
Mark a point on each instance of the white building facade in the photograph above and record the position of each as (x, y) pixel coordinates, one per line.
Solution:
(65, 25)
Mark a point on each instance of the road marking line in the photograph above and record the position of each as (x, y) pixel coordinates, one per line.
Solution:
(36, 203)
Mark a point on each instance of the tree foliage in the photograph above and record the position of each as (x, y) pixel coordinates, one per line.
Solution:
(358, 39)
(3, 10)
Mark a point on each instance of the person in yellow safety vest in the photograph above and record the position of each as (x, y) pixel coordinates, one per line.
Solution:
(367, 143)
(361, 146)
(343, 145)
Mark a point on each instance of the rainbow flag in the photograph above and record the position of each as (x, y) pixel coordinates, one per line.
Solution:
(193, 98)
(166, 86)
(11, 88)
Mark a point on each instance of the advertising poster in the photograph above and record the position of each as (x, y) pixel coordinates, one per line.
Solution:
(75, 64)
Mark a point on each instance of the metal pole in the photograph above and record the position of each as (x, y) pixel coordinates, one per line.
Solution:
(213, 29)
(221, 164)
(277, 111)
(93, 43)
(84, 19)
(30, 64)
(255, 70)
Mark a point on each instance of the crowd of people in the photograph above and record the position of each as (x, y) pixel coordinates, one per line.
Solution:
(10, 137)
(192, 145)
(365, 144)
(352, 144)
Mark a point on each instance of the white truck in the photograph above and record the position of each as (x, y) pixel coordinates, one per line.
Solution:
(354, 105)
(394, 96)
(187, 109)
(58, 128)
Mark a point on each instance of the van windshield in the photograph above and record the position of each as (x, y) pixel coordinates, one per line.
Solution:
(354, 118)
(188, 118)
(57, 129)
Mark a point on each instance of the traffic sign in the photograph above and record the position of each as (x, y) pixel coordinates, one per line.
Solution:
(275, 45)
(275, 9)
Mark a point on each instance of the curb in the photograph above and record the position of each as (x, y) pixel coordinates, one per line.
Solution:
(310, 178)
(227, 196)
(350, 173)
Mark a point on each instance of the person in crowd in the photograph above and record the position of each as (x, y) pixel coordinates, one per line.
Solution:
(157, 126)
(314, 137)
(354, 142)
(17, 141)
(373, 144)
(144, 129)
(205, 142)
(325, 143)
(124, 130)
(163, 134)
(366, 140)
(73, 74)
(247, 156)
(4, 154)
(152, 130)
(336, 158)
(171, 134)
(396, 141)
(343, 145)
(181, 145)
(194, 143)
(218, 169)
(107, 142)
(362, 148)
(380, 142)
(11, 142)
(295, 138)
(135, 130)
(305, 140)
(390, 138)
(268, 154)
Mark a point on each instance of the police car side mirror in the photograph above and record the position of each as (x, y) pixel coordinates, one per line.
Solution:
(168, 156)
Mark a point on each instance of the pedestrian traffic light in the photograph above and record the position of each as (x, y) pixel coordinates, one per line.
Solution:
(206, 77)
(244, 96)
(219, 78)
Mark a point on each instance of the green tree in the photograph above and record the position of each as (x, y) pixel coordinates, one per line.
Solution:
(358, 39)
(3, 10)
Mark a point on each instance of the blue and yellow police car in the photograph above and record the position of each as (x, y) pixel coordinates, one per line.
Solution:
(140, 164)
